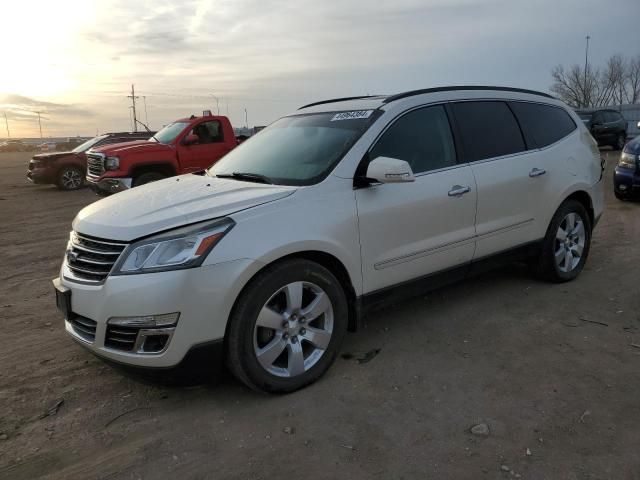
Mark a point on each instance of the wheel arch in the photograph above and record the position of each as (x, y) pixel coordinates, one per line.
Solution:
(584, 198)
(331, 263)
(166, 168)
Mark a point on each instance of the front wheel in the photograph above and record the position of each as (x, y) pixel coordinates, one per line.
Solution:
(70, 178)
(566, 244)
(147, 178)
(287, 327)
(620, 141)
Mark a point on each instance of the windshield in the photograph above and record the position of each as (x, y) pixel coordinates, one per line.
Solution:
(88, 144)
(297, 150)
(169, 133)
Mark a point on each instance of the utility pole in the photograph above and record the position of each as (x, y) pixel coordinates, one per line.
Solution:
(6, 122)
(133, 107)
(217, 104)
(146, 117)
(227, 101)
(246, 122)
(586, 63)
(39, 124)
(131, 117)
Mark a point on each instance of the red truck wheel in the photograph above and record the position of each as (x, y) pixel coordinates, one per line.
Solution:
(147, 178)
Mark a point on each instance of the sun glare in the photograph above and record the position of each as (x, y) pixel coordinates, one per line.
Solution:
(42, 44)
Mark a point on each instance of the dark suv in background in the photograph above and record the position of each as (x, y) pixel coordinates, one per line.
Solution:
(608, 127)
(67, 170)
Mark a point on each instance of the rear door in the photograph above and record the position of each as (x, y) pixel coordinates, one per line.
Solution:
(409, 230)
(211, 146)
(505, 174)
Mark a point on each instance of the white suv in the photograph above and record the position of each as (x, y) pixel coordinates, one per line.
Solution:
(266, 260)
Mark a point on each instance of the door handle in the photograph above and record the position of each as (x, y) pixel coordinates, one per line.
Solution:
(458, 190)
(536, 172)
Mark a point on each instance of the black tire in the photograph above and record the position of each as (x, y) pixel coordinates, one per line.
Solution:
(70, 178)
(545, 266)
(240, 353)
(620, 141)
(618, 195)
(147, 178)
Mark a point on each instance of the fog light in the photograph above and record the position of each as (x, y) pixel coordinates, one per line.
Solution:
(149, 321)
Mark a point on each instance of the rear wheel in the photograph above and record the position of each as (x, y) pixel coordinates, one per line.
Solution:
(566, 244)
(147, 178)
(620, 141)
(287, 327)
(70, 178)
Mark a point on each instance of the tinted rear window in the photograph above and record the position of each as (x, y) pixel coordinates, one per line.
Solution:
(542, 125)
(488, 129)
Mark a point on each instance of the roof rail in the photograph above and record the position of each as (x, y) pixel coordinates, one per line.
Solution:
(411, 93)
(343, 99)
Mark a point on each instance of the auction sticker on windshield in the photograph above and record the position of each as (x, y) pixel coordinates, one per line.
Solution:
(358, 114)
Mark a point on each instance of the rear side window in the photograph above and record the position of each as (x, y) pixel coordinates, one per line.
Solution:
(487, 130)
(542, 125)
(421, 137)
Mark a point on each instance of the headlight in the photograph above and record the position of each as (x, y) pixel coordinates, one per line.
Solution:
(627, 160)
(111, 163)
(185, 247)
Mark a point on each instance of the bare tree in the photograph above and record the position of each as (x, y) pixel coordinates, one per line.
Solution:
(633, 80)
(616, 83)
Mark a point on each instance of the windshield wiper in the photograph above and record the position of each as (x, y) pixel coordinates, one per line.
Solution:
(249, 177)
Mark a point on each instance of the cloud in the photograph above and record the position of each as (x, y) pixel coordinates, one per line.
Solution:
(271, 57)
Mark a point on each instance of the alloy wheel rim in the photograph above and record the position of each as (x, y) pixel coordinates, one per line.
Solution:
(293, 329)
(620, 142)
(569, 244)
(71, 179)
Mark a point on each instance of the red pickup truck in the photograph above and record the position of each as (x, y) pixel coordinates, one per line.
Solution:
(184, 146)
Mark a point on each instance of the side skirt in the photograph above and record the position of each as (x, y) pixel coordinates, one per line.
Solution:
(412, 288)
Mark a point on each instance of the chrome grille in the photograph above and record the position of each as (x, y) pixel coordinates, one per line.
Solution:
(91, 259)
(83, 327)
(95, 164)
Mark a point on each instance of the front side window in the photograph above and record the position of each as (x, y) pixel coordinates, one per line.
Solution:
(297, 150)
(421, 137)
(542, 125)
(488, 129)
(208, 132)
(169, 133)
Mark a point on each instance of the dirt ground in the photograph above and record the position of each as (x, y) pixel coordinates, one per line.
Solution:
(560, 395)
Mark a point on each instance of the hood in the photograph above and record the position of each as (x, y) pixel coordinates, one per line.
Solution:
(171, 203)
(52, 155)
(633, 147)
(126, 148)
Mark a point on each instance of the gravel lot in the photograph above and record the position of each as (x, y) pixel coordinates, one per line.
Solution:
(559, 393)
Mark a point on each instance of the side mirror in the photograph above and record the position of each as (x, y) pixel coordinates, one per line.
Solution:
(190, 139)
(390, 170)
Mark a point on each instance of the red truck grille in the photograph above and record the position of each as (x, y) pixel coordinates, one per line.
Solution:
(95, 164)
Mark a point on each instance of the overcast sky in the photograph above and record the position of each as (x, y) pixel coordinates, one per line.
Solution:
(75, 60)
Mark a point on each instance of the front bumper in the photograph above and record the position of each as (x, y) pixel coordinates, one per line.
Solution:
(40, 176)
(626, 182)
(203, 296)
(108, 185)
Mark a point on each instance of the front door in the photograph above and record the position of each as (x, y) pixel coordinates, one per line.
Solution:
(410, 230)
(209, 148)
